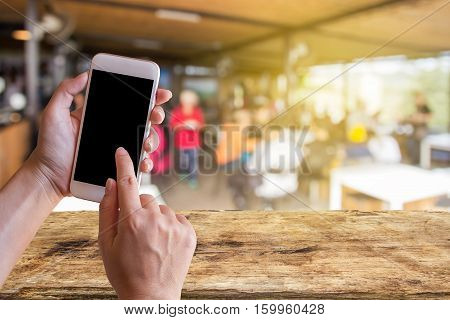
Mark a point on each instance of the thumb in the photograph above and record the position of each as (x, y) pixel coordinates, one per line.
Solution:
(63, 96)
(109, 214)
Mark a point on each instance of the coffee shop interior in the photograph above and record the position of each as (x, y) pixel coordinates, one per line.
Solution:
(307, 105)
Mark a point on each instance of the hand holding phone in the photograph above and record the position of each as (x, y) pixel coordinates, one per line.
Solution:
(54, 155)
(120, 96)
(146, 248)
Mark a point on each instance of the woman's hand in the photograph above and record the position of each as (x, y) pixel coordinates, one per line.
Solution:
(52, 160)
(146, 248)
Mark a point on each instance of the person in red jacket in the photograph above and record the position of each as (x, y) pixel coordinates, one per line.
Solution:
(186, 122)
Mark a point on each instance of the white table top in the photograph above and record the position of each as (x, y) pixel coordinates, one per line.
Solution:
(392, 182)
(441, 141)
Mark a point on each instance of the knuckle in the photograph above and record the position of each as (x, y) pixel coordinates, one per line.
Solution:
(148, 200)
(165, 209)
(191, 238)
(123, 157)
(181, 218)
(152, 215)
(163, 228)
(133, 222)
(127, 180)
(64, 84)
(177, 232)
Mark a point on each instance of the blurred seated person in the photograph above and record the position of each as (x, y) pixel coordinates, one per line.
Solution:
(235, 140)
(186, 122)
(235, 144)
(358, 124)
(321, 153)
(419, 121)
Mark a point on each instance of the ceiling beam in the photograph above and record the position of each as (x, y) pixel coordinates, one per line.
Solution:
(374, 41)
(159, 43)
(204, 14)
(301, 27)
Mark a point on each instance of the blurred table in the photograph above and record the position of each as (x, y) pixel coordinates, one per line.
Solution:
(395, 184)
(433, 142)
(260, 255)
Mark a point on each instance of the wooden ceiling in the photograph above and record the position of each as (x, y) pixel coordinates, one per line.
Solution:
(252, 33)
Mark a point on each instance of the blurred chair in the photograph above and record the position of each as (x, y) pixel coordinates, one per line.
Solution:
(435, 147)
(384, 149)
(319, 156)
(276, 161)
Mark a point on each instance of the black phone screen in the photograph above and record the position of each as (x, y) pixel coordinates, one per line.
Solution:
(115, 116)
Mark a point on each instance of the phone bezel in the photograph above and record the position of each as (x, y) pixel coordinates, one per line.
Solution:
(126, 66)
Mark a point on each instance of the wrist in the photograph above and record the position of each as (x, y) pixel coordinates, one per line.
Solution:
(42, 177)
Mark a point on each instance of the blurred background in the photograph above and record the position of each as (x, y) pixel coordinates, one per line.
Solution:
(358, 91)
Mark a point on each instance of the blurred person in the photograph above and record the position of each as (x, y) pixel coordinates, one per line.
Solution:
(235, 144)
(186, 122)
(358, 123)
(419, 121)
(146, 248)
(263, 115)
(234, 140)
(321, 153)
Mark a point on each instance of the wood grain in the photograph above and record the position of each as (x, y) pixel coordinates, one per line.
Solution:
(253, 255)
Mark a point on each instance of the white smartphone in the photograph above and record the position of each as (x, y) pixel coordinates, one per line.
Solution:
(119, 98)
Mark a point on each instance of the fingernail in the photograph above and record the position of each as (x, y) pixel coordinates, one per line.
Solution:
(109, 184)
(121, 151)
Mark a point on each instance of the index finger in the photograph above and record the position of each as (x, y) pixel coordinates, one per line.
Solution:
(127, 185)
(162, 96)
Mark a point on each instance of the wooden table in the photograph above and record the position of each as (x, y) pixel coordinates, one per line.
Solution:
(252, 255)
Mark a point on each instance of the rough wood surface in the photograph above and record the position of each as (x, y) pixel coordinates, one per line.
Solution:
(252, 255)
